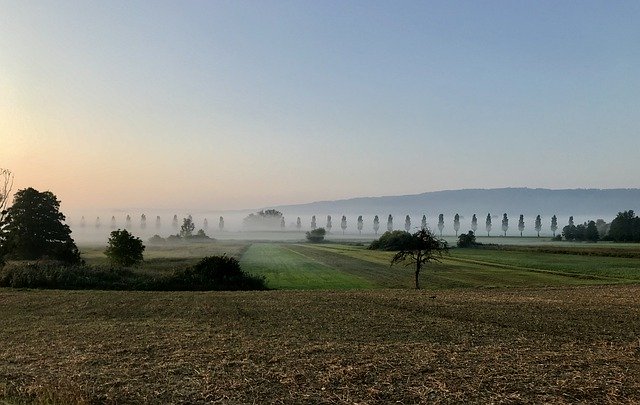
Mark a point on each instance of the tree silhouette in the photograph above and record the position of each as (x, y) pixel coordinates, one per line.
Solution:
(143, 221)
(298, 224)
(407, 223)
(221, 224)
(521, 224)
(554, 225)
(474, 223)
(175, 221)
(538, 225)
(423, 247)
(313, 223)
(571, 221)
(505, 223)
(34, 228)
(187, 228)
(282, 224)
(423, 224)
(390, 223)
(360, 224)
(124, 249)
(343, 223)
(329, 226)
(456, 223)
(205, 224)
(113, 222)
(158, 222)
(376, 224)
(6, 184)
(440, 223)
(488, 224)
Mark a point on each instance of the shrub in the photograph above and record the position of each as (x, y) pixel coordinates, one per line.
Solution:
(316, 235)
(124, 249)
(467, 240)
(215, 273)
(392, 240)
(156, 240)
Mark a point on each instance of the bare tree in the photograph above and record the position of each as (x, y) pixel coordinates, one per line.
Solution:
(422, 248)
(6, 184)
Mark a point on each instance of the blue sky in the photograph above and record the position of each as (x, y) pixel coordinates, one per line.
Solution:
(231, 104)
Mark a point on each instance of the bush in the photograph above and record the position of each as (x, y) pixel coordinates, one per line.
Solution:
(392, 240)
(316, 235)
(51, 274)
(156, 240)
(124, 249)
(467, 240)
(215, 273)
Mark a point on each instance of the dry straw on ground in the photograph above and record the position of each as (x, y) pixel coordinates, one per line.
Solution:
(562, 345)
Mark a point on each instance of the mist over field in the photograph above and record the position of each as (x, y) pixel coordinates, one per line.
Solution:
(583, 205)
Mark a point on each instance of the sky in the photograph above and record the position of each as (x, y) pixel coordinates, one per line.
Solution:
(239, 104)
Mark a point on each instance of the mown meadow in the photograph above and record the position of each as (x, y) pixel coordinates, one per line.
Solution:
(505, 324)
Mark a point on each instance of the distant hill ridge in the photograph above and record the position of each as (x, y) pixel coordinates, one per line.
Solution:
(527, 201)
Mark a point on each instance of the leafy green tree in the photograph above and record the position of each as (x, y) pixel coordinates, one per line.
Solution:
(440, 223)
(124, 249)
(474, 223)
(423, 247)
(488, 224)
(423, 224)
(407, 223)
(521, 224)
(316, 235)
(591, 232)
(625, 227)
(456, 223)
(34, 228)
(389, 223)
(376, 224)
(538, 225)
(187, 228)
(343, 224)
(360, 224)
(554, 225)
(505, 224)
(313, 223)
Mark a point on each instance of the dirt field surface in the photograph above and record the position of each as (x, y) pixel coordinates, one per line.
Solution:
(554, 345)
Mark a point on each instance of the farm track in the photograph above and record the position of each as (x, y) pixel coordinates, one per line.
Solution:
(534, 270)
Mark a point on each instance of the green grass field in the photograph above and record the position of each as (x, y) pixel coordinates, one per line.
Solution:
(304, 266)
(285, 267)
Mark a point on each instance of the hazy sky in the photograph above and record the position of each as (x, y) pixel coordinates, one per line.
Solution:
(237, 104)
